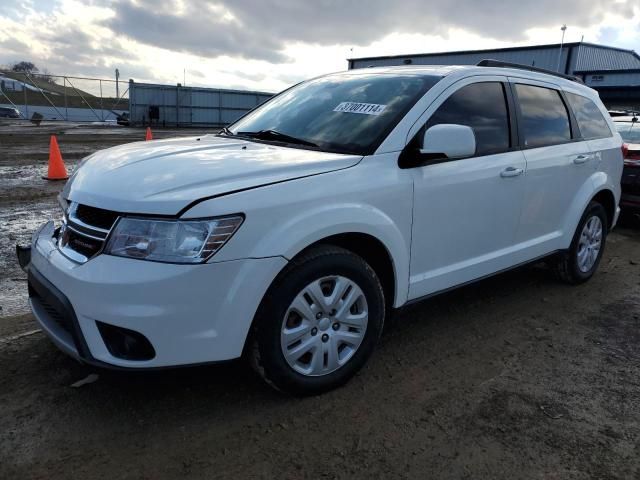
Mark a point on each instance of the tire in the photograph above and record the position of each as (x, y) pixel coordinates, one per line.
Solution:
(323, 359)
(568, 266)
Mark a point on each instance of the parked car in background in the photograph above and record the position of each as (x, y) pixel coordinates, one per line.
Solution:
(8, 112)
(290, 236)
(629, 129)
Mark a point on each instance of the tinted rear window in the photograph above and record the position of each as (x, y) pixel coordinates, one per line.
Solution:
(590, 121)
(545, 120)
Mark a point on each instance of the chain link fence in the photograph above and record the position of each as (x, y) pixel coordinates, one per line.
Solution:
(38, 97)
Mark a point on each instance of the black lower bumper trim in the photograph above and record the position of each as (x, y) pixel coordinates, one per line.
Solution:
(24, 257)
(41, 287)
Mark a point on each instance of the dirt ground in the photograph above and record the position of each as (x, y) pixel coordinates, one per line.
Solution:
(515, 377)
(27, 200)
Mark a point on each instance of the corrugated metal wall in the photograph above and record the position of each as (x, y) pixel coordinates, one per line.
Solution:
(612, 80)
(613, 72)
(190, 106)
(541, 58)
(575, 57)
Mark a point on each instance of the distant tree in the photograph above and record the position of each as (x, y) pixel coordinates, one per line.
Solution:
(24, 67)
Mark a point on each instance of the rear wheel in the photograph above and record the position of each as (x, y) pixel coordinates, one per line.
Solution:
(319, 322)
(579, 263)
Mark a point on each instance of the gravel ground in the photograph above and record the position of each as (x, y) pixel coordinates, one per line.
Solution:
(517, 376)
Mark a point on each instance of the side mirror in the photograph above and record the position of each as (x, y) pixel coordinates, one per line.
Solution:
(449, 140)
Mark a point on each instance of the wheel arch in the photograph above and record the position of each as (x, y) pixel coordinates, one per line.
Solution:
(607, 199)
(596, 187)
(370, 248)
(372, 251)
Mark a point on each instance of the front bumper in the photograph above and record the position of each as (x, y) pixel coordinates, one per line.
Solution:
(190, 314)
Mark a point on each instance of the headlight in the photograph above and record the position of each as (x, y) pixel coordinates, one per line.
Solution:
(175, 241)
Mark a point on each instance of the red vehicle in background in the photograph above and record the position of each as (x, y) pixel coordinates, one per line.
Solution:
(629, 129)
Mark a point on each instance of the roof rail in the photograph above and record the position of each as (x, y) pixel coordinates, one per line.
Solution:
(500, 64)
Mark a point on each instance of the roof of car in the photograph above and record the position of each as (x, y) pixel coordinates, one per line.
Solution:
(445, 70)
(626, 119)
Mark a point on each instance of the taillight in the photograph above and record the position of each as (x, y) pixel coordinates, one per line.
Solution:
(625, 150)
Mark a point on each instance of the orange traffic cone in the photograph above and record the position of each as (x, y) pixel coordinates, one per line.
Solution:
(149, 135)
(57, 170)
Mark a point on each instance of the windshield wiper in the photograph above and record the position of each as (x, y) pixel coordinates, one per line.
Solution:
(277, 136)
(226, 131)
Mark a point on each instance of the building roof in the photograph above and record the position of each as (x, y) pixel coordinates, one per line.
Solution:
(507, 49)
(597, 57)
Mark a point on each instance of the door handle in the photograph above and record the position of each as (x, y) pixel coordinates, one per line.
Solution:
(581, 159)
(511, 172)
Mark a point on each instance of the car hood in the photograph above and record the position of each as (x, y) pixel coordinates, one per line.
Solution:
(164, 176)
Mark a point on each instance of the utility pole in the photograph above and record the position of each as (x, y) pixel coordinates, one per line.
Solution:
(564, 29)
(117, 85)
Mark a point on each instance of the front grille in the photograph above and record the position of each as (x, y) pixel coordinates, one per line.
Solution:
(96, 217)
(85, 230)
(82, 244)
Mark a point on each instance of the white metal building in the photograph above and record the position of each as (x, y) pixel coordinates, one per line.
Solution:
(175, 105)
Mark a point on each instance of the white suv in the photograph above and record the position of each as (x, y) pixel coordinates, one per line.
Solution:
(292, 235)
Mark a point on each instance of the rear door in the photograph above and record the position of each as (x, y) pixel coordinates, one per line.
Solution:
(603, 146)
(557, 163)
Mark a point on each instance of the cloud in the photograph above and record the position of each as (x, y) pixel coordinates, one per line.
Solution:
(262, 29)
(14, 46)
(200, 28)
(270, 44)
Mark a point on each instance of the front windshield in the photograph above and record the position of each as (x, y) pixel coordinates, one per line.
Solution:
(629, 131)
(348, 113)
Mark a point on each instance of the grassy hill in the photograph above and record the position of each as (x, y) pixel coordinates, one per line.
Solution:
(47, 84)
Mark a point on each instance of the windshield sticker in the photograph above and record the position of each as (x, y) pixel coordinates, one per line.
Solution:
(364, 108)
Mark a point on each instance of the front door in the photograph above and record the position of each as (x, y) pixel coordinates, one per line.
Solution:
(466, 212)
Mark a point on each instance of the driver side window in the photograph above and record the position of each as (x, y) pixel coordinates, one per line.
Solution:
(481, 106)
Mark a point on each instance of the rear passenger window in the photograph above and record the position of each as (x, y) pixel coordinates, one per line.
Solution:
(590, 121)
(545, 120)
(481, 106)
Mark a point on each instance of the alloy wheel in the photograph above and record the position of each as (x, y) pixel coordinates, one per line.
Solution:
(589, 244)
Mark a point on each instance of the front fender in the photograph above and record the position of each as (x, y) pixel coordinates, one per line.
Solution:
(296, 233)
(375, 198)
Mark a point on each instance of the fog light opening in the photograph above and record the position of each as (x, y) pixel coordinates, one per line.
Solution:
(126, 344)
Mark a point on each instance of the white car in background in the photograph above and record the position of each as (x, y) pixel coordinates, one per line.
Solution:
(8, 112)
(291, 236)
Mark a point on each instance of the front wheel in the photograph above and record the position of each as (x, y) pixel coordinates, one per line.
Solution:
(579, 263)
(319, 322)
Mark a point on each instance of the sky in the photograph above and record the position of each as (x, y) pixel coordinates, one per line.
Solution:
(268, 45)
